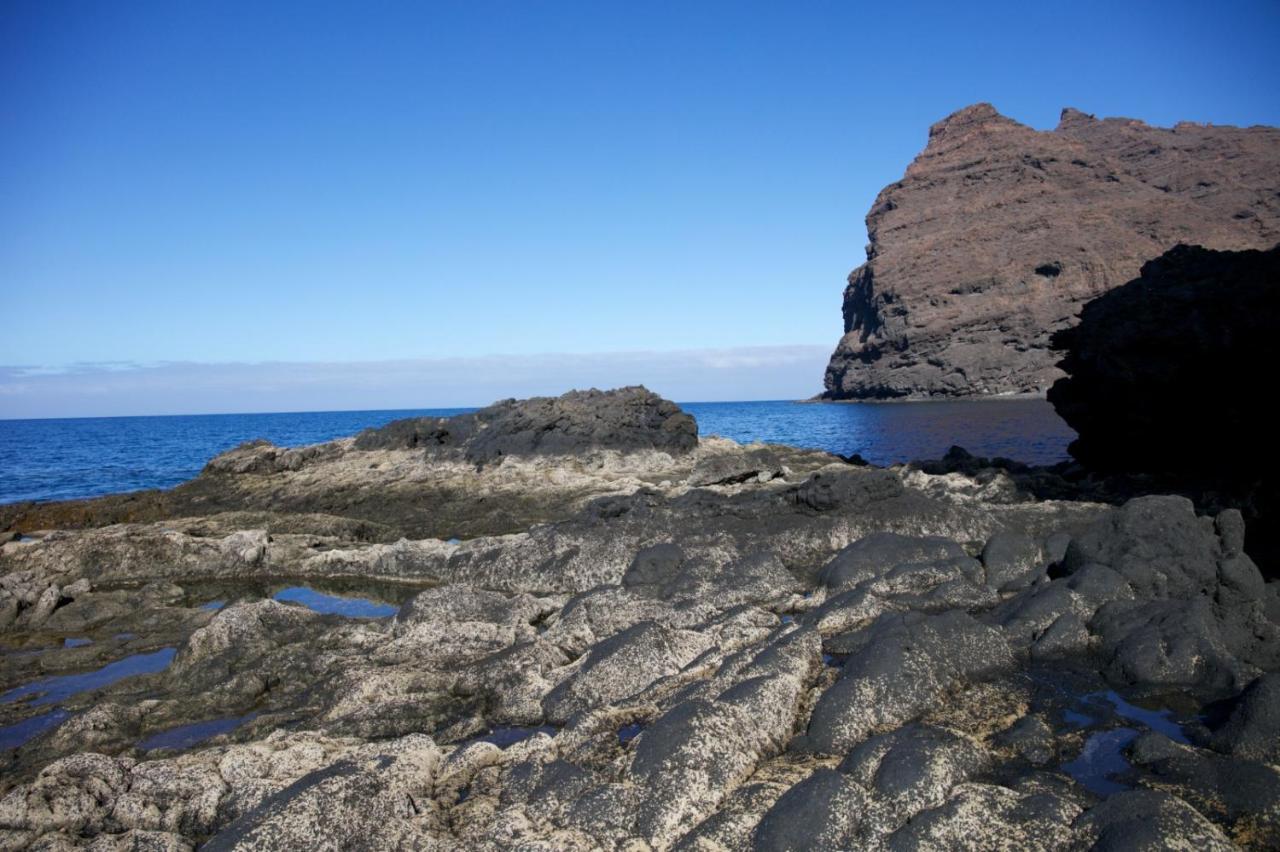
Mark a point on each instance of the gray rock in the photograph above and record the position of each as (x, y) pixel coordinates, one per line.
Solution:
(1067, 636)
(1055, 547)
(622, 666)
(755, 463)
(910, 770)
(1192, 615)
(366, 800)
(1147, 820)
(1157, 544)
(44, 606)
(1251, 728)
(874, 555)
(1031, 738)
(822, 812)
(987, 817)
(1025, 617)
(655, 570)
(1012, 560)
(907, 664)
(692, 756)
(1230, 527)
(847, 489)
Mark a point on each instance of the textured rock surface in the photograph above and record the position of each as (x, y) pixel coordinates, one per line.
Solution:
(418, 477)
(627, 419)
(688, 655)
(998, 233)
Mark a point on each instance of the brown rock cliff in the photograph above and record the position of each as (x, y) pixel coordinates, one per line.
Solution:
(998, 233)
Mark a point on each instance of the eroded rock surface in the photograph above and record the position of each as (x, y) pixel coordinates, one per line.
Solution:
(998, 233)
(719, 647)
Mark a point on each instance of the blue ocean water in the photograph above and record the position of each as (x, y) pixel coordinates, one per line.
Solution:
(60, 459)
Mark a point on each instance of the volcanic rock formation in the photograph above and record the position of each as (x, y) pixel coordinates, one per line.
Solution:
(1168, 376)
(998, 233)
(683, 644)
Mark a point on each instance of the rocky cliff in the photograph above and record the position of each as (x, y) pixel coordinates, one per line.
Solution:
(998, 233)
(1167, 377)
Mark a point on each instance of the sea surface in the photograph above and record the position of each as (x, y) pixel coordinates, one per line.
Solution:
(61, 459)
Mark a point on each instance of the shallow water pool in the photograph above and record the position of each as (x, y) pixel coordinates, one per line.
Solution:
(185, 736)
(351, 607)
(51, 690)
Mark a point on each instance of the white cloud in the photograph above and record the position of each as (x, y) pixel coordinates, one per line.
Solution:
(121, 388)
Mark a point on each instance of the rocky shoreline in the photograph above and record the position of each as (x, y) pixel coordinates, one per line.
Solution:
(612, 633)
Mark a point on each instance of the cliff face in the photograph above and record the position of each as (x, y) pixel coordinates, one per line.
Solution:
(998, 233)
(1166, 376)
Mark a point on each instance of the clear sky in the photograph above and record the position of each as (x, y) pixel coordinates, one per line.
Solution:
(355, 182)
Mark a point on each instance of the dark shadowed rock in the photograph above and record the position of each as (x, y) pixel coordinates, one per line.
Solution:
(1147, 820)
(997, 233)
(821, 812)
(1168, 377)
(1012, 560)
(1246, 794)
(1251, 722)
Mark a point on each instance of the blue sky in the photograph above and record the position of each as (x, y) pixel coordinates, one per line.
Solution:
(212, 183)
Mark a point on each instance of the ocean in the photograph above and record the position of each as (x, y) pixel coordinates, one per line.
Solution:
(61, 459)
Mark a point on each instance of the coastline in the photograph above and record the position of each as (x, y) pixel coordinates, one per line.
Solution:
(1001, 397)
(586, 592)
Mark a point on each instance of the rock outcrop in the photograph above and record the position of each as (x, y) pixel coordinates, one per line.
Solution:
(462, 476)
(998, 233)
(627, 419)
(709, 646)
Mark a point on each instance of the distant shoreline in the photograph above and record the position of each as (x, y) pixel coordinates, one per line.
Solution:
(1001, 397)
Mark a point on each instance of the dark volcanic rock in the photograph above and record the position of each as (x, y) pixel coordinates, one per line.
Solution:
(1197, 326)
(1251, 727)
(1168, 377)
(998, 233)
(626, 419)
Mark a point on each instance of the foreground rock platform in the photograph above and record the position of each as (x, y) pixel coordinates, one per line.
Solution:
(677, 642)
(998, 233)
